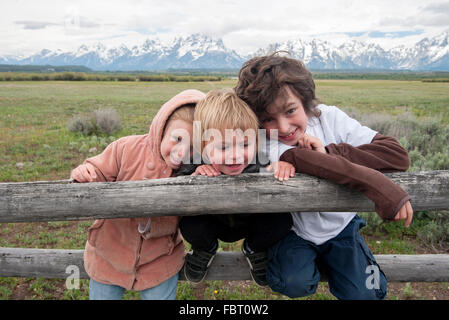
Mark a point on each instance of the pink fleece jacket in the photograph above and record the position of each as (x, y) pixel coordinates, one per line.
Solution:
(116, 252)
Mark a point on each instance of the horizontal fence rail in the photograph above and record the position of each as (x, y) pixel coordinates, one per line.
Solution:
(191, 195)
(59, 263)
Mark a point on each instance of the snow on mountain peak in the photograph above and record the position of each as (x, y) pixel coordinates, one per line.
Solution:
(202, 51)
(197, 45)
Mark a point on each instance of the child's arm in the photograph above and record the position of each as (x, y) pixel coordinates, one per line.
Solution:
(384, 154)
(362, 145)
(101, 168)
(282, 170)
(388, 197)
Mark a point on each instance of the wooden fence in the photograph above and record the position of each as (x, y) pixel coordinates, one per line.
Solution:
(193, 195)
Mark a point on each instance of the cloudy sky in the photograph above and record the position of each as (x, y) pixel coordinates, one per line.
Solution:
(28, 26)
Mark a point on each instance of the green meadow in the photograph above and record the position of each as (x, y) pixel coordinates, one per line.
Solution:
(35, 144)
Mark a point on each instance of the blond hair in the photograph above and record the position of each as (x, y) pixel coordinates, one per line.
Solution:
(221, 110)
(184, 112)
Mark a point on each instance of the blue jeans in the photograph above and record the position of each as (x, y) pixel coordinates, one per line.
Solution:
(353, 273)
(164, 291)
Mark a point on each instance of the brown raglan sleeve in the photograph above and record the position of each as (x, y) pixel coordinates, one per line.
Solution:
(384, 154)
(386, 195)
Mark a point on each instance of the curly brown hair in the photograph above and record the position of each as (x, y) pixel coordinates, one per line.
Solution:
(262, 79)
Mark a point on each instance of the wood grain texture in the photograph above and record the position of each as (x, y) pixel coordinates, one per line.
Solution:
(53, 263)
(64, 200)
(192, 195)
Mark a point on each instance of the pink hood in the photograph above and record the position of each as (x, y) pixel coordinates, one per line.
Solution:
(116, 252)
(159, 121)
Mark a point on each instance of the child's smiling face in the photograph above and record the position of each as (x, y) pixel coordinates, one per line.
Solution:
(176, 145)
(287, 115)
(232, 154)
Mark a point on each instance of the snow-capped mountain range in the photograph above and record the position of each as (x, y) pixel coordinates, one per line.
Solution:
(202, 52)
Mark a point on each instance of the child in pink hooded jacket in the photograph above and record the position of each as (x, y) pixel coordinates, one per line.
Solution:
(142, 254)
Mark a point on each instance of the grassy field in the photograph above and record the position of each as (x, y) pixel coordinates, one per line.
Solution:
(35, 144)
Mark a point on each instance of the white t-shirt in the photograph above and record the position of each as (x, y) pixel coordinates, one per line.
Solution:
(333, 126)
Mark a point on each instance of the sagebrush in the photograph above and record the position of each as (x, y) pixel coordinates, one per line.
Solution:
(101, 121)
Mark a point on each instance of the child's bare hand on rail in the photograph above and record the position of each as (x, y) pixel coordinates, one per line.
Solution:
(282, 170)
(206, 170)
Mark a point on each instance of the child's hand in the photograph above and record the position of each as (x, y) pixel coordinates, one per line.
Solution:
(406, 212)
(282, 170)
(206, 170)
(311, 142)
(84, 173)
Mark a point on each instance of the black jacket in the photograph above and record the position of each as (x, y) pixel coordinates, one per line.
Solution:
(234, 219)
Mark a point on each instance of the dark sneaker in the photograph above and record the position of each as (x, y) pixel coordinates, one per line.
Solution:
(258, 264)
(196, 265)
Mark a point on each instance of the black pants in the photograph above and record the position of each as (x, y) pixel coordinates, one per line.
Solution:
(261, 230)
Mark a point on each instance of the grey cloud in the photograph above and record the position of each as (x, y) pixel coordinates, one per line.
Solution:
(86, 23)
(80, 22)
(224, 26)
(431, 17)
(34, 25)
(435, 21)
(413, 22)
(440, 8)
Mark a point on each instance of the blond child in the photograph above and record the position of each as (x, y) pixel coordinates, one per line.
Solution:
(226, 136)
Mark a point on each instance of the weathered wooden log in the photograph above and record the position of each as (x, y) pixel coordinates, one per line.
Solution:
(58, 263)
(191, 195)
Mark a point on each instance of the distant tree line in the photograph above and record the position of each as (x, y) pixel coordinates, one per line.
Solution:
(433, 76)
(42, 69)
(81, 73)
(81, 76)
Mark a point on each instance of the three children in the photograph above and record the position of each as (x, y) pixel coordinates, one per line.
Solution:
(286, 250)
